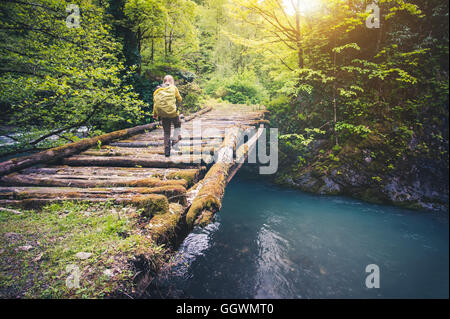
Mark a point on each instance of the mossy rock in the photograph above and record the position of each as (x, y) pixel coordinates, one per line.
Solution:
(371, 195)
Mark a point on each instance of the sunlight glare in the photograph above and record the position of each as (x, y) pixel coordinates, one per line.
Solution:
(306, 6)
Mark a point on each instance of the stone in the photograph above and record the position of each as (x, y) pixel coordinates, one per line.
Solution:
(25, 247)
(330, 187)
(83, 255)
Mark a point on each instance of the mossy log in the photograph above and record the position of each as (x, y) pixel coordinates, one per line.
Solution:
(163, 227)
(87, 173)
(16, 179)
(17, 193)
(211, 190)
(155, 161)
(205, 218)
(57, 153)
(152, 204)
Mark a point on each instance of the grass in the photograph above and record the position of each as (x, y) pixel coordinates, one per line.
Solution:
(38, 251)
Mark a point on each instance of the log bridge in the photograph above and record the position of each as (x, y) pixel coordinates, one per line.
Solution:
(129, 167)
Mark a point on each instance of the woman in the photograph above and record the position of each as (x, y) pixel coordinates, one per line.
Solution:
(164, 107)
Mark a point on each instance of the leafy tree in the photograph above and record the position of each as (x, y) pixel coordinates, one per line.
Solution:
(55, 79)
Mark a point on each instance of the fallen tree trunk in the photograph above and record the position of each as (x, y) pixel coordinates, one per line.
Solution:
(57, 153)
(123, 161)
(15, 179)
(18, 193)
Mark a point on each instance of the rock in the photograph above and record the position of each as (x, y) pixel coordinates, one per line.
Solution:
(38, 257)
(330, 187)
(307, 182)
(83, 255)
(12, 236)
(108, 272)
(25, 247)
(417, 186)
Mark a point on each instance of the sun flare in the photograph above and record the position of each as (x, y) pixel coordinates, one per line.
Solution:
(306, 7)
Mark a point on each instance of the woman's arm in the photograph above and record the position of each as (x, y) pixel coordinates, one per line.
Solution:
(155, 109)
(177, 95)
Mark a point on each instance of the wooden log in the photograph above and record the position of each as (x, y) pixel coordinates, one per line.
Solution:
(16, 179)
(201, 112)
(156, 161)
(57, 153)
(206, 197)
(99, 172)
(210, 191)
(152, 204)
(159, 137)
(163, 227)
(142, 144)
(18, 193)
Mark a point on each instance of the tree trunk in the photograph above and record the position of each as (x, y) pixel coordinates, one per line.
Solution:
(170, 41)
(153, 50)
(298, 36)
(336, 140)
(165, 40)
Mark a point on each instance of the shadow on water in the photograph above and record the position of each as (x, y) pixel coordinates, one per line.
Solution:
(273, 242)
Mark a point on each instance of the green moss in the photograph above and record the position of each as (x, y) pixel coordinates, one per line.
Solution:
(163, 227)
(110, 233)
(371, 196)
(189, 175)
(202, 203)
(151, 204)
(154, 182)
(205, 218)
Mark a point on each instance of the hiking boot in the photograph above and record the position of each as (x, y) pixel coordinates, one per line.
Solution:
(167, 152)
(175, 143)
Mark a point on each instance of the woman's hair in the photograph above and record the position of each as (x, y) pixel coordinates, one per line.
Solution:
(168, 79)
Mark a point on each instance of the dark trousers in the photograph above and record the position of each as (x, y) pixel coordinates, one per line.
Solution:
(166, 124)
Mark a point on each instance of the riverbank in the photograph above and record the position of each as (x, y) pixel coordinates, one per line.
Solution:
(368, 172)
(76, 250)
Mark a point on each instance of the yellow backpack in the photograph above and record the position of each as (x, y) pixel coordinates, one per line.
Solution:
(164, 101)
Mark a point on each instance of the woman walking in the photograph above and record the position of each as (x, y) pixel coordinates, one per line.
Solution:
(164, 107)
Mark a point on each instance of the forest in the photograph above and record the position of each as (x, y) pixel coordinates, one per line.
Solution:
(94, 202)
(361, 103)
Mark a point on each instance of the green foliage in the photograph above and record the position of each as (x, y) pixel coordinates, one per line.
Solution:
(241, 88)
(381, 90)
(192, 97)
(109, 233)
(294, 148)
(347, 130)
(57, 79)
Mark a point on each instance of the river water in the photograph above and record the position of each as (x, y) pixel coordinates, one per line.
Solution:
(274, 242)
